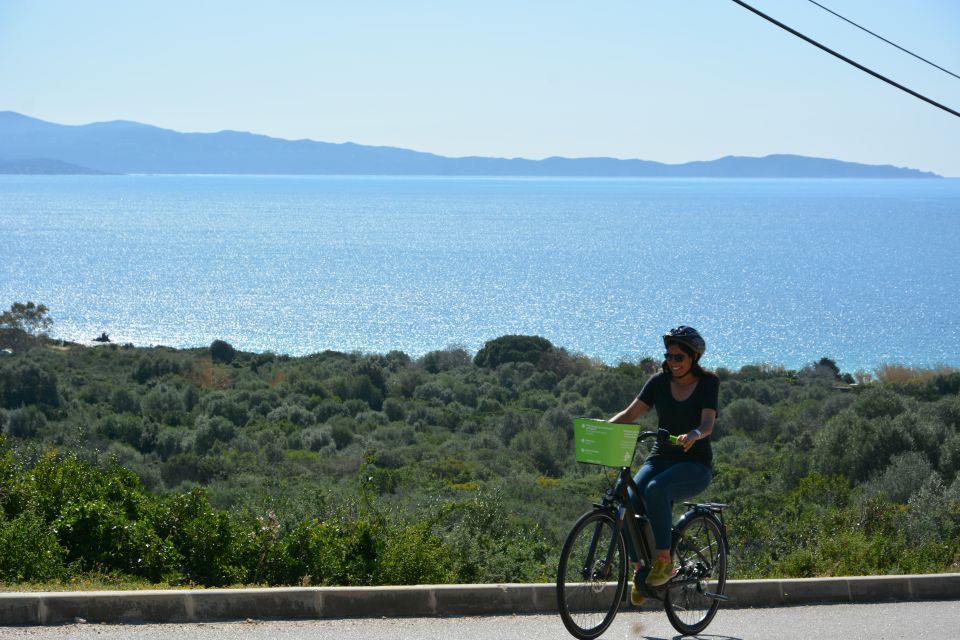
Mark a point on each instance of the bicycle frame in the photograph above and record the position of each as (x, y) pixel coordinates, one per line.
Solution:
(627, 516)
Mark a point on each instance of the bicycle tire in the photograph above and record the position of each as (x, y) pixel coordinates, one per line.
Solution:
(701, 554)
(587, 598)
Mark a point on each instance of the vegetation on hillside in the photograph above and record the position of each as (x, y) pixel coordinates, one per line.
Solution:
(217, 467)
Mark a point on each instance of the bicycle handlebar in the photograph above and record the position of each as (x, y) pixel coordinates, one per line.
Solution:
(646, 435)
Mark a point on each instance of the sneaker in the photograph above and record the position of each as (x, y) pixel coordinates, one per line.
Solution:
(661, 572)
(636, 598)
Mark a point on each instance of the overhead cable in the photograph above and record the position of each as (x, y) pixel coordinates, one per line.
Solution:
(876, 35)
(846, 59)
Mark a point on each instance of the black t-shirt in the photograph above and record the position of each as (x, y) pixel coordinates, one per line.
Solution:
(681, 417)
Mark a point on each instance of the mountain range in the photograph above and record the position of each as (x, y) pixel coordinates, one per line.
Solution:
(32, 146)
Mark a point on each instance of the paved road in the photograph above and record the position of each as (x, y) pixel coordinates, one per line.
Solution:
(907, 620)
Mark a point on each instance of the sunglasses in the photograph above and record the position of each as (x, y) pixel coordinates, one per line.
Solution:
(676, 357)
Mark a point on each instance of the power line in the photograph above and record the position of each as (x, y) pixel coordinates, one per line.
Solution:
(875, 35)
(846, 59)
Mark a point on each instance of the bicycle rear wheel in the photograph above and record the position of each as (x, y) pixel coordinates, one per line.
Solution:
(701, 555)
(592, 575)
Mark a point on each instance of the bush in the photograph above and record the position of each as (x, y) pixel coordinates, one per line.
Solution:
(433, 391)
(222, 352)
(611, 392)
(227, 406)
(157, 364)
(212, 547)
(294, 414)
(25, 423)
(394, 410)
(27, 383)
(327, 553)
(101, 534)
(211, 430)
(904, 476)
(129, 429)
(414, 554)
(29, 550)
(513, 348)
(163, 403)
(187, 467)
(950, 457)
(315, 439)
(341, 431)
(878, 402)
(437, 361)
(747, 415)
(855, 447)
(122, 400)
(932, 512)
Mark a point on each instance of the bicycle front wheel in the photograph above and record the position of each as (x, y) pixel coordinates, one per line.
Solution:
(592, 575)
(701, 555)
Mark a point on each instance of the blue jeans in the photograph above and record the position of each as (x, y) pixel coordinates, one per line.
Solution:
(661, 483)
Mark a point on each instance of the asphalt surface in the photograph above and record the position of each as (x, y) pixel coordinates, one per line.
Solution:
(927, 620)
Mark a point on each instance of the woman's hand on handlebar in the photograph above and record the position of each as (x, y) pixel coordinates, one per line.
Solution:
(686, 440)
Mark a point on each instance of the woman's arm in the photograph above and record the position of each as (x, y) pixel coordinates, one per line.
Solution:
(707, 418)
(632, 412)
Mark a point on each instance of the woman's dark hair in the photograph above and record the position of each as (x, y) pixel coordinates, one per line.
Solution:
(695, 368)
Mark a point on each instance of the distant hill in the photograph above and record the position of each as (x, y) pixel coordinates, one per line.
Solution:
(43, 166)
(130, 147)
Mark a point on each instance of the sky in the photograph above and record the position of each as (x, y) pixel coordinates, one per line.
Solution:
(665, 80)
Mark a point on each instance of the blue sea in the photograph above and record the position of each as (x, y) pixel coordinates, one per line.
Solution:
(781, 272)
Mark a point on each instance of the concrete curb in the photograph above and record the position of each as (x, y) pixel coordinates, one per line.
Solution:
(208, 605)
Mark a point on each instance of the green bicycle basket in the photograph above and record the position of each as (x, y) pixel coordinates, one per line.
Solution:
(605, 443)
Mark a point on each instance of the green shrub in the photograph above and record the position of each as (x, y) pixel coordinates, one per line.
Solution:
(155, 364)
(514, 348)
(122, 400)
(903, 477)
(611, 392)
(187, 467)
(100, 534)
(222, 352)
(321, 553)
(29, 550)
(25, 422)
(437, 361)
(747, 415)
(315, 438)
(878, 401)
(124, 428)
(164, 404)
(414, 554)
(294, 414)
(210, 430)
(27, 383)
(342, 432)
(226, 405)
(212, 546)
(857, 447)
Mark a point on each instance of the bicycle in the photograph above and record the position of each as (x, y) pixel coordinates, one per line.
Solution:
(594, 568)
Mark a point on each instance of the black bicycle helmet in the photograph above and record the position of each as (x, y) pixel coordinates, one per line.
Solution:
(688, 336)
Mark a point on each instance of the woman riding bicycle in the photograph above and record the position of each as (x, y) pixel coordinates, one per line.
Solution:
(685, 397)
